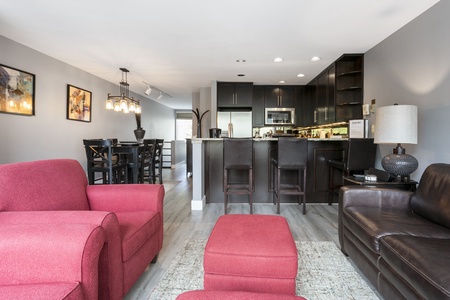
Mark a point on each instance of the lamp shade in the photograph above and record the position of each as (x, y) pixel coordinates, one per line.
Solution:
(396, 124)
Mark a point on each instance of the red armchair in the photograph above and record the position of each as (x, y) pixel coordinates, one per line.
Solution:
(43, 261)
(56, 192)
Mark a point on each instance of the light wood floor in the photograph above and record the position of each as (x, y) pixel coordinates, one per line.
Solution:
(181, 224)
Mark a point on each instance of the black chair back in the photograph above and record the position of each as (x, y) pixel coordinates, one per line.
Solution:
(292, 153)
(237, 153)
(360, 155)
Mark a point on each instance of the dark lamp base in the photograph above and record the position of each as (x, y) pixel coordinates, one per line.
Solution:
(400, 165)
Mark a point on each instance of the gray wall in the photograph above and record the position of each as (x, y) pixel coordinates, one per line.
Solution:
(412, 67)
(49, 134)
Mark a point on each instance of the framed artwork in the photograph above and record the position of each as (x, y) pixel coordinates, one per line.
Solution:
(79, 104)
(16, 91)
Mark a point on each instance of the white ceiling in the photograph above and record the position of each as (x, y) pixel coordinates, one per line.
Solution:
(180, 46)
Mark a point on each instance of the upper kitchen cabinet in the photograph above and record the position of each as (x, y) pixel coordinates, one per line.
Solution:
(301, 107)
(234, 94)
(279, 96)
(258, 106)
(349, 87)
(325, 109)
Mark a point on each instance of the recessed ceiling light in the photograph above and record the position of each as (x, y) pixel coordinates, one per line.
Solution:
(281, 81)
(315, 58)
(241, 60)
(241, 75)
(278, 59)
(301, 75)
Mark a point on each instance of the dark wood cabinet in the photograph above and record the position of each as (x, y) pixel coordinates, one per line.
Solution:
(258, 106)
(234, 94)
(299, 101)
(325, 108)
(336, 94)
(349, 87)
(279, 96)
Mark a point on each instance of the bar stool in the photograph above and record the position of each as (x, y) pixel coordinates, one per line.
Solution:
(360, 157)
(291, 154)
(238, 156)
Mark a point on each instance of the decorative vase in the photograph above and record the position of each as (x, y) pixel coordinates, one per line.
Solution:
(139, 133)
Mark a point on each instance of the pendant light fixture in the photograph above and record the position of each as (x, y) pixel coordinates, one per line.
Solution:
(123, 103)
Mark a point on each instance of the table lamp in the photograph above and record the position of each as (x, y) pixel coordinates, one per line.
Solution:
(397, 124)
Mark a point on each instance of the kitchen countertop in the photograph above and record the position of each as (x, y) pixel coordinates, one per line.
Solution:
(200, 140)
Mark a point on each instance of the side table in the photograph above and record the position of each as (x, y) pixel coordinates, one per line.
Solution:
(408, 185)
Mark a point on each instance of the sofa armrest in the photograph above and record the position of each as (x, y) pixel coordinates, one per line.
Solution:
(126, 197)
(45, 253)
(110, 267)
(374, 197)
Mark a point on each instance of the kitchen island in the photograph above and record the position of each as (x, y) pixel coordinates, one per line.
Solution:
(207, 160)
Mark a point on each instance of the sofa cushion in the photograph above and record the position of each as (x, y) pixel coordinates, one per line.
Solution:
(422, 262)
(57, 184)
(369, 224)
(43, 291)
(432, 199)
(136, 228)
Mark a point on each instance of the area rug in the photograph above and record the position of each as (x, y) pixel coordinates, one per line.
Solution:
(324, 273)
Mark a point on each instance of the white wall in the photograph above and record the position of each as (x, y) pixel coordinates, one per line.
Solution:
(412, 66)
(49, 134)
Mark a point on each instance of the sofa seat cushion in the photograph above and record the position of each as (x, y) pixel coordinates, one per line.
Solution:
(422, 262)
(369, 224)
(136, 228)
(42, 291)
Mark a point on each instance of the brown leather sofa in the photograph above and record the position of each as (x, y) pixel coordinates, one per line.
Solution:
(400, 240)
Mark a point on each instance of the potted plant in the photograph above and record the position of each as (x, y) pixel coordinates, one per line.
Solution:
(199, 121)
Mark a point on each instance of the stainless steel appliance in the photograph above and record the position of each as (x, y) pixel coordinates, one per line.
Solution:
(279, 116)
(235, 124)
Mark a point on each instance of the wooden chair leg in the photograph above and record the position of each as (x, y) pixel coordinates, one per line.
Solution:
(250, 189)
(278, 189)
(304, 191)
(225, 190)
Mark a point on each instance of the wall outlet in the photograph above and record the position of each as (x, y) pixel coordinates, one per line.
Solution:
(372, 129)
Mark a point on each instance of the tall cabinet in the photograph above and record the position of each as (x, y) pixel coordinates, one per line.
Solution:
(349, 87)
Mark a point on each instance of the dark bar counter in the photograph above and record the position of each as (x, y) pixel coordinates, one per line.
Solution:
(319, 152)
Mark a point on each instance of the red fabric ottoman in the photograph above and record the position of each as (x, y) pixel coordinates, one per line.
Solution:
(254, 253)
(233, 295)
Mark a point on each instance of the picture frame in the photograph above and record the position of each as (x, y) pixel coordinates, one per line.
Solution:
(79, 104)
(17, 91)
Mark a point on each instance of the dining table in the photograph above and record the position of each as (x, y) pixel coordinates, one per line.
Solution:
(130, 150)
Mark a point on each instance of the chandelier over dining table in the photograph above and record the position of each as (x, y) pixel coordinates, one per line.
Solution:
(123, 103)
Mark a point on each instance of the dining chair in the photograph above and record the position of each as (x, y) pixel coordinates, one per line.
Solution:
(147, 152)
(101, 159)
(157, 161)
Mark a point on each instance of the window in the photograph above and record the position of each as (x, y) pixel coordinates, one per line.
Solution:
(183, 125)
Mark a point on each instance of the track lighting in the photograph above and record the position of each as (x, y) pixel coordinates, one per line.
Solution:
(151, 88)
(148, 90)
